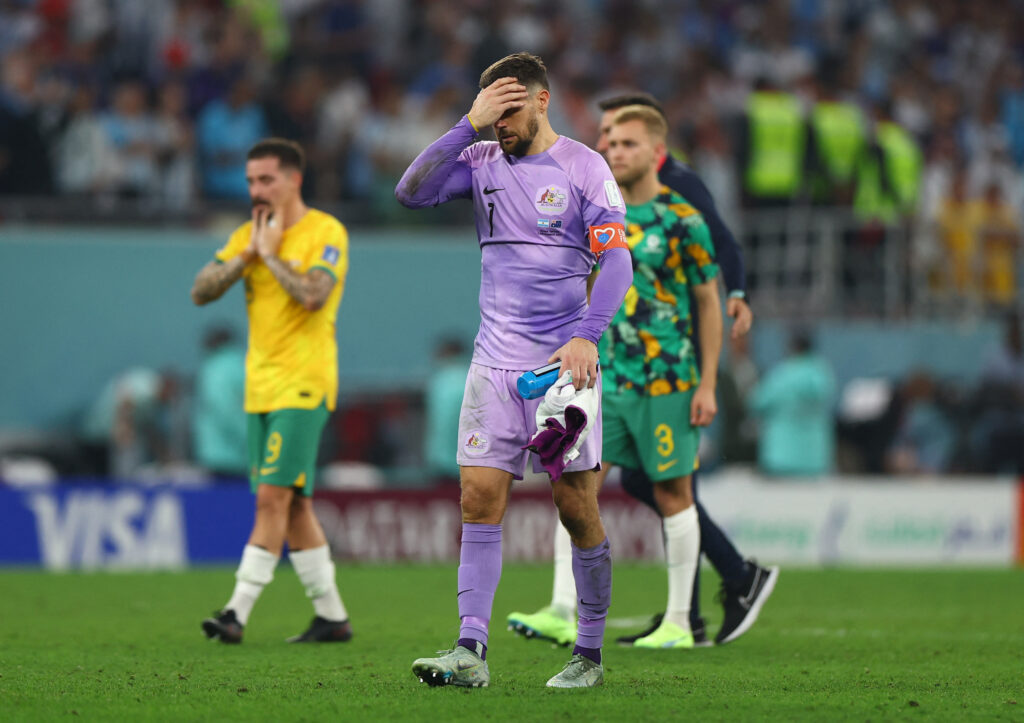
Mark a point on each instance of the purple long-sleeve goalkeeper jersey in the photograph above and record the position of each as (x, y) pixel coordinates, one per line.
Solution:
(541, 220)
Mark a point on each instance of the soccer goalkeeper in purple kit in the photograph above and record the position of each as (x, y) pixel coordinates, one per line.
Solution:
(546, 209)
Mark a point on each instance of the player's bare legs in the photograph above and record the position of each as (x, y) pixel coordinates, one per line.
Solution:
(259, 558)
(311, 557)
(674, 495)
(304, 530)
(270, 529)
(575, 496)
(485, 492)
(674, 498)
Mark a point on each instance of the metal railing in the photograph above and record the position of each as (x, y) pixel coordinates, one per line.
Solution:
(802, 262)
(808, 262)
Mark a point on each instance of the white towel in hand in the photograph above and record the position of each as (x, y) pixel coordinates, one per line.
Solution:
(564, 420)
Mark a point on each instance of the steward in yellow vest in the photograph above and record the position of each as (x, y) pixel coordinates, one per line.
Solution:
(775, 147)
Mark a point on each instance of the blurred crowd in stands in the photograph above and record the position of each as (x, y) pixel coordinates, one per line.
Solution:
(895, 108)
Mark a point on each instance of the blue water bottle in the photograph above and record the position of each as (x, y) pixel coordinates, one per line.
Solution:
(534, 384)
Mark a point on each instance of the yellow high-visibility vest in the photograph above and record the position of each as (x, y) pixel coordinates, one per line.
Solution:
(777, 142)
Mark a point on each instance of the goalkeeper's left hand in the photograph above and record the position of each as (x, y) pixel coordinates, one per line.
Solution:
(580, 357)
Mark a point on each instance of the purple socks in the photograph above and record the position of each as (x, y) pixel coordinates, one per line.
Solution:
(479, 572)
(592, 568)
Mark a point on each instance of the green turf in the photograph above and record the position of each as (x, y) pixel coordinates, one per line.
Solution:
(838, 644)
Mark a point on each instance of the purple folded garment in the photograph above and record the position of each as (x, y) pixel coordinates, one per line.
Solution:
(552, 442)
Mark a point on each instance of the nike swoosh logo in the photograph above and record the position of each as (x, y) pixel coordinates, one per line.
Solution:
(665, 465)
(489, 191)
(461, 665)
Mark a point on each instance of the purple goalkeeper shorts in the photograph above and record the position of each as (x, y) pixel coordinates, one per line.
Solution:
(496, 423)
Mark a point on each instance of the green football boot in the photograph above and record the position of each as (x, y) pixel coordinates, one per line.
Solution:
(579, 672)
(549, 623)
(461, 667)
(667, 635)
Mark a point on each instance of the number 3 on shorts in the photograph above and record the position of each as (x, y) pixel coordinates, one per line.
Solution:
(273, 448)
(663, 433)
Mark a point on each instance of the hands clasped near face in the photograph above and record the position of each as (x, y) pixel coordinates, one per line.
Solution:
(267, 231)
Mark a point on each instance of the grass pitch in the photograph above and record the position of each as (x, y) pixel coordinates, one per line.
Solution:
(838, 644)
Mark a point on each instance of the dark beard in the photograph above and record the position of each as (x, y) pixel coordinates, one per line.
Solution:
(523, 144)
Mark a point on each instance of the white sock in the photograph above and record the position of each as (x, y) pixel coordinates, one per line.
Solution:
(563, 597)
(682, 553)
(255, 572)
(315, 569)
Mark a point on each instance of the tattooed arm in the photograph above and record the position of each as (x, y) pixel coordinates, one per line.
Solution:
(215, 278)
(310, 289)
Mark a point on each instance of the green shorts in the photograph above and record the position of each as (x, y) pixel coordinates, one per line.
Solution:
(283, 447)
(650, 433)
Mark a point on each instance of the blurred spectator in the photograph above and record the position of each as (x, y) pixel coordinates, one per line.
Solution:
(137, 27)
(393, 134)
(295, 114)
(1012, 109)
(175, 145)
(136, 421)
(219, 433)
(998, 434)
(443, 404)
(836, 141)
(773, 146)
(132, 134)
(926, 437)
(19, 26)
(347, 39)
(267, 18)
(24, 157)
(227, 129)
(84, 157)
(869, 412)
(232, 56)
(955, 229)
(980, 238)
(999, 238)
(889, 175)
(794, 403)
(341, 114)
(713, 160)
(936, 182)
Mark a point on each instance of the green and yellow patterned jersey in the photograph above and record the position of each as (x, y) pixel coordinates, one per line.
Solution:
(648, 347)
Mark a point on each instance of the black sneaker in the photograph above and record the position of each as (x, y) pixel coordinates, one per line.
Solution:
(223, 626)
(322, 630)
(742, 608)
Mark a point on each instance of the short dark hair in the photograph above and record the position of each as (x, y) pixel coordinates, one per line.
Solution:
(621, 101)
(526, 68)
(288, 153)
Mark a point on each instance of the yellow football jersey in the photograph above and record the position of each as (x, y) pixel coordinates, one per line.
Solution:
(292, 362)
